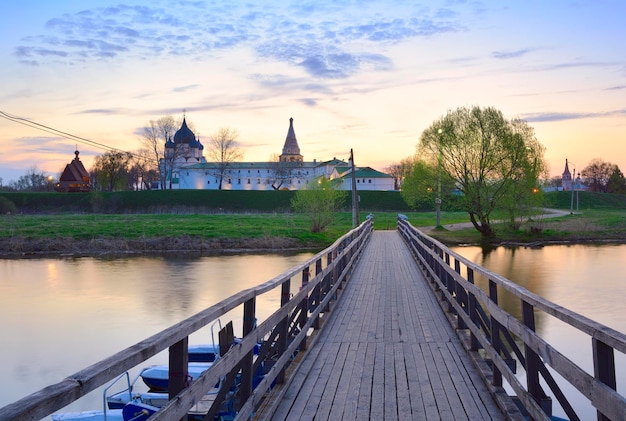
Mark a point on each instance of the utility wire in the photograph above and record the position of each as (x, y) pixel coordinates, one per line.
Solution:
(66, 135)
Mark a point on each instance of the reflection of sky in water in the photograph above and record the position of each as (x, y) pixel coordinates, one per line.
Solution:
(58, 316)
(587, 279)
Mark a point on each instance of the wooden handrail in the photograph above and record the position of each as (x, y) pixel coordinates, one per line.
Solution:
(466, 300)
(54, 397)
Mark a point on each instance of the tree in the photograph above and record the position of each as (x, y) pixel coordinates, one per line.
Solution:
(281, 172)
(597, 174)
(111, 169)
(420, 185)
(33, 180)
(320, 201)
(142, 172)
(154, 137)
(617, 182)
(224, 150)
(400, 171)
(493, 161)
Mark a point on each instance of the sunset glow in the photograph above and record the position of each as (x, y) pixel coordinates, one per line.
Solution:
(367, 75)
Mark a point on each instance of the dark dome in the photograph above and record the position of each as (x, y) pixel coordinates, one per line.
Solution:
(184, 135)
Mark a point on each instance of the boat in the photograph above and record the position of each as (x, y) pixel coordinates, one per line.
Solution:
(132, 411)
(156, 377)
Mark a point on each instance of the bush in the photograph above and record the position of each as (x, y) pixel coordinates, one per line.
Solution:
(7, 207)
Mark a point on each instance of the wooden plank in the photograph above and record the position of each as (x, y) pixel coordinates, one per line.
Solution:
(345, 403)
(387, 351)
(364, 402)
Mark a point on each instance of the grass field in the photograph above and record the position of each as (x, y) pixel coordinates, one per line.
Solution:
(599, 217)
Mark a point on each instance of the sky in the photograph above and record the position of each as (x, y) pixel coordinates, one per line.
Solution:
(364, 75)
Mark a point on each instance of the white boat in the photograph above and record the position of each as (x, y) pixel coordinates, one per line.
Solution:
(133, 411)
(157, 376)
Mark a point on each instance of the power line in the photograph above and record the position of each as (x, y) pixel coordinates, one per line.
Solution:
(60, 133)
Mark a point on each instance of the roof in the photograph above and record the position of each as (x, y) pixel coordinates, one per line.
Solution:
(75, 171)
(184, 135)
(291, 143)
(363, 172)
(247, 165)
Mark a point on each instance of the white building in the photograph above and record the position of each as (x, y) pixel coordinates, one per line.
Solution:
(190, 170)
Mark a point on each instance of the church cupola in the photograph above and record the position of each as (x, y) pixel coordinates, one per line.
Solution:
(291, 150)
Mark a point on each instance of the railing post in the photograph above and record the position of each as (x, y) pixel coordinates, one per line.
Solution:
(178, 376)
(328, 280)
(604, 367)
(249, 315)
(304, 306)
(283, 326)
(495, 334)
(473, 312)
(461, 296)
(533, 364)
(317, 294)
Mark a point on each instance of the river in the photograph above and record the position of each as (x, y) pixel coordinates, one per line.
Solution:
(59, 316)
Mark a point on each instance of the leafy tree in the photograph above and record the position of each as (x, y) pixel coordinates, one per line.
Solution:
(111, 170)
(597, 174)
(320, 201)
(493, 161)
(224, 150)
(617, 182)
(421, 184)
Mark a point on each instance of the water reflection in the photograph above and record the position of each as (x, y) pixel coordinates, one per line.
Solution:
(61, 315)
(587, 279)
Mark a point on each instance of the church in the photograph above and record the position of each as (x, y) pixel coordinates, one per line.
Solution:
(186, 168)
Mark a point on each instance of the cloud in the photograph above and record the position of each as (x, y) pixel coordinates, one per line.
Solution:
(328, 40)
(311, 102)
(562, 116)
(186, 88)
(103, 111)
(511, 54)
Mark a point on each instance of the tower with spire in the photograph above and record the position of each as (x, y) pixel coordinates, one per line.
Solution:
(566, 179)
(291, 150)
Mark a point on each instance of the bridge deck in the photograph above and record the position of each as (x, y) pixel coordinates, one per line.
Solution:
(387, 351)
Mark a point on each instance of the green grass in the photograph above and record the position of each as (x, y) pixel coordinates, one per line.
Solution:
(588, 225)
(601, 216)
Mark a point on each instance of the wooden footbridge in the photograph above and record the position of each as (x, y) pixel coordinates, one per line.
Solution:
(381, 325)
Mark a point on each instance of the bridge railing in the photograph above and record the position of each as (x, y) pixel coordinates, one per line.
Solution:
(282, 335)
(502, 340)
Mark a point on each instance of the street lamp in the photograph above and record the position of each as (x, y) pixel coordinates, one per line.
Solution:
(571, 206)
(438, 199)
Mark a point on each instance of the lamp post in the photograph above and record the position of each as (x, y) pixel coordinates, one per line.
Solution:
(571, 206)
(438, 199)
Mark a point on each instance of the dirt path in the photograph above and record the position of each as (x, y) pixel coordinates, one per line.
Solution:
(548, 213)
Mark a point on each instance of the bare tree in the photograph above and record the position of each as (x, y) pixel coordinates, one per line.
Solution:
(597, 174)
(224, 149)
(154, 137)
(400, 170)
(33, 180)
(281, 172)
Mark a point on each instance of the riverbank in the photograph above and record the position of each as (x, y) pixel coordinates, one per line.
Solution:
(555, 226)
(66, 235)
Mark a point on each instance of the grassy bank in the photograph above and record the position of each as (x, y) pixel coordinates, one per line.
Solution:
(184, 227)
